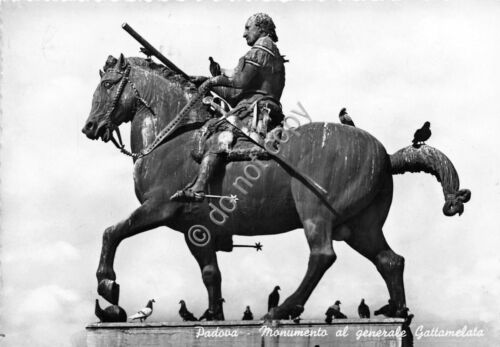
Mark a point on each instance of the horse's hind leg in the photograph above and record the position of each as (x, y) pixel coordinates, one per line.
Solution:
(206, 257)
(319, 237)
(148, 216)
(367, 238)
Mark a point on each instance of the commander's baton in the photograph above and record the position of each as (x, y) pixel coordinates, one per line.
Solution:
(153, 50)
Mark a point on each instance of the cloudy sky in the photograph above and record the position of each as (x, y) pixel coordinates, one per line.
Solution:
(393, 65)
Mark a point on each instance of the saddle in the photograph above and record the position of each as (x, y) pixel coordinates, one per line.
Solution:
(230, 132)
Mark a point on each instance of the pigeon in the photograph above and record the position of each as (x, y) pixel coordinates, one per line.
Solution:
(146, 52)
(345, 118)
(185, 314)
(334, 311)
(247, 315)
(214, 67)
(422, 135)
(143, 314)
(388, 310)
(363, 310)
(113, 313)
(274, 298)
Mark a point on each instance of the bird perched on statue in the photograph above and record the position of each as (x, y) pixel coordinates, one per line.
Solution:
(146, 52)
(247, 315)
(214, 67)
(388, 310)
(185, 314)
(422, 135)
(363, 310)
(143, 314)
(345, 118)
(334, 312)
(113, 313)
(274, 298)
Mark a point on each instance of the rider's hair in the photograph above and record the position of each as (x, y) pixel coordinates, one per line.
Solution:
(266, 24)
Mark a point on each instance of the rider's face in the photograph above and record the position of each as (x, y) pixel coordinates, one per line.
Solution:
(252, 32)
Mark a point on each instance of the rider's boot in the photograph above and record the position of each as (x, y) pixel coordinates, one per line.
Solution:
(196, 192)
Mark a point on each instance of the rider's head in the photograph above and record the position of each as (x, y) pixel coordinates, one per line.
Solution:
(257, 26)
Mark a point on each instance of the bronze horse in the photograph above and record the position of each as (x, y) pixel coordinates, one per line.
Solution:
(349, 163)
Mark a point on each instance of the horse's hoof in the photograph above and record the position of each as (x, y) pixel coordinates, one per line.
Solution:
(110, 314)
(273, 314)
(296, 311)
(109, 290)
(402, 313)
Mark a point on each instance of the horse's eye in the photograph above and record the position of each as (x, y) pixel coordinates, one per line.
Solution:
(107, 84)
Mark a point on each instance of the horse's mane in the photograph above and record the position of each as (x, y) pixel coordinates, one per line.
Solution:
(161, 70)
(151, 66)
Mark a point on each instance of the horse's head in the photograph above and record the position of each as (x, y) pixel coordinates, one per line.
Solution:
(113, 101)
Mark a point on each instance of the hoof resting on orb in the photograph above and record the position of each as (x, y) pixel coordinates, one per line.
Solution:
(111, 314)
(109, 290)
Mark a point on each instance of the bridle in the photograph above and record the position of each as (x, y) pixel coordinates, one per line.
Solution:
(164, 133)
(108, 120)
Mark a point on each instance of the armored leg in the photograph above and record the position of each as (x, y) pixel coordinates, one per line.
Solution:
(196, 192)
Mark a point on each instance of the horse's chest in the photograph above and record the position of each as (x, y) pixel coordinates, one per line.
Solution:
(148, 130)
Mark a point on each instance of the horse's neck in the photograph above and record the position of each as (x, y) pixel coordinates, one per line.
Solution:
(165, 98)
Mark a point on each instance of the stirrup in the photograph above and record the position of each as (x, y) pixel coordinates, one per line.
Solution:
(188, 195)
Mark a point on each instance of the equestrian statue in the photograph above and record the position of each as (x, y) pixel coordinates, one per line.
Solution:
(212, 160)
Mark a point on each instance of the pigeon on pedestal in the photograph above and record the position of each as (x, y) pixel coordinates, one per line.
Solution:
(334, 312)
(388, 310)
(363, 310)
(185, 314)
(143, 314)
(274, 298)
(247, 315)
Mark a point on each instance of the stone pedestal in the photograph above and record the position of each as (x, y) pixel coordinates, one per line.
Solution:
(310, 333)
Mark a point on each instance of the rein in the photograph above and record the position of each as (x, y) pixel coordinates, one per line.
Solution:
(164, 133)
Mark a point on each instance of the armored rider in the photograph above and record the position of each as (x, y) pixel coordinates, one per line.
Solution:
(254, 92)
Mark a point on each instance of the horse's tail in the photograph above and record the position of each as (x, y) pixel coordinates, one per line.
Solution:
(433, 161)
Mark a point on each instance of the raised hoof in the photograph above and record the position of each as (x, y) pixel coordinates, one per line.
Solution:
(109, 290)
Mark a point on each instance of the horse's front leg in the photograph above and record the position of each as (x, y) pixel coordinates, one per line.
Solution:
(206, 256)
(149, 215)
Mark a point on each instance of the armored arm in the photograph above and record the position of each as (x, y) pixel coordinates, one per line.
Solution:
(240, 80)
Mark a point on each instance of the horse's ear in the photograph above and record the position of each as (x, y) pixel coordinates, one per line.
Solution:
(101, 73)
(110, 62)
(122, 62)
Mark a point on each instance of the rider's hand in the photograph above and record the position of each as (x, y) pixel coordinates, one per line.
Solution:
(197, 80)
